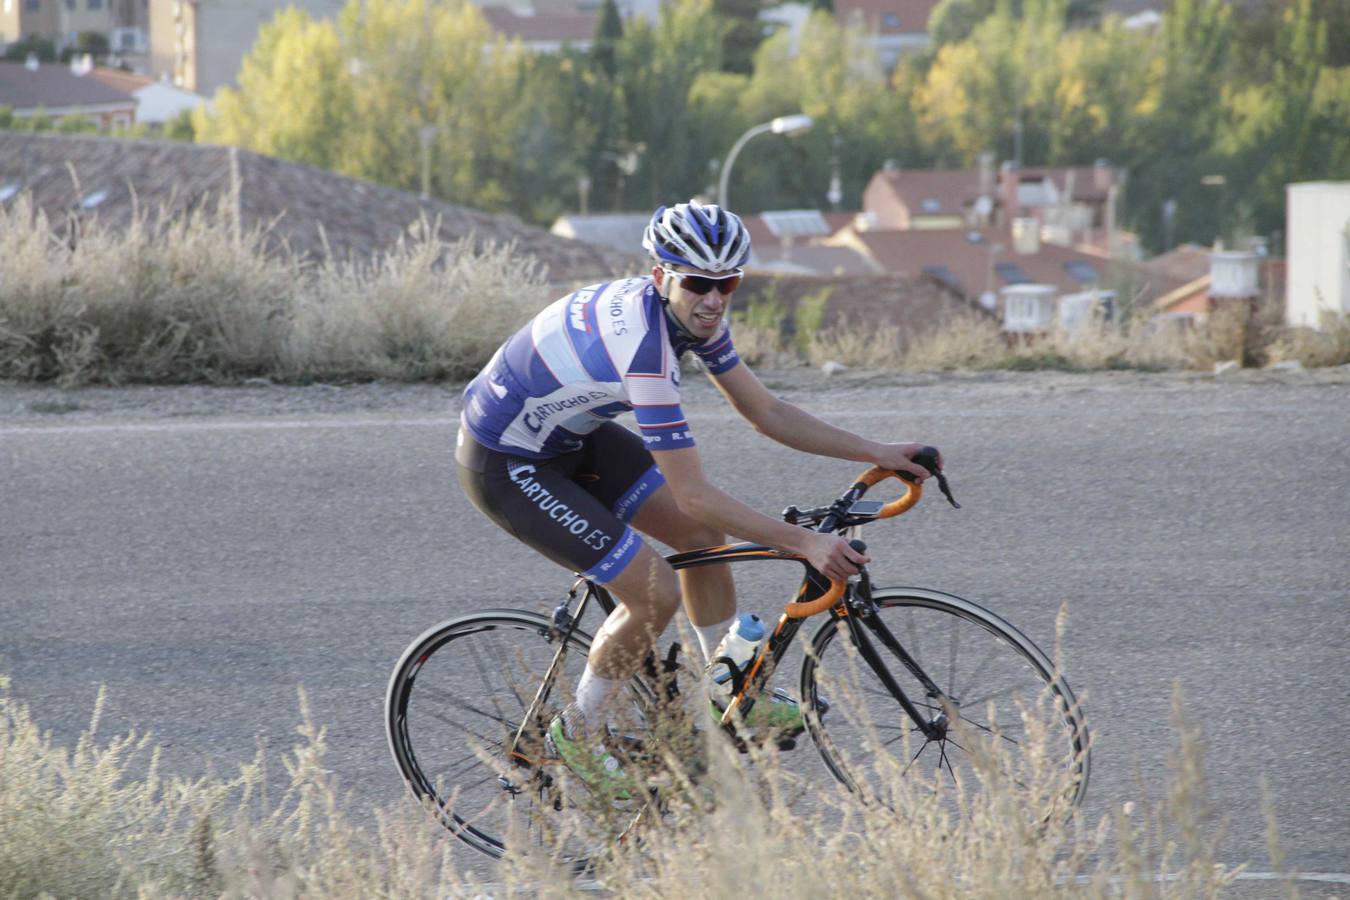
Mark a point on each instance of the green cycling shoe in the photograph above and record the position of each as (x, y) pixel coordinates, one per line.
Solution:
(775, 711)
(598, 769)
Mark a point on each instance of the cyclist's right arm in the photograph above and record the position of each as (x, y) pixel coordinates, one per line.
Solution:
(830, 554)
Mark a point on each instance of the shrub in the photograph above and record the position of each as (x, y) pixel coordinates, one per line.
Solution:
(102, 820)
(197, 298)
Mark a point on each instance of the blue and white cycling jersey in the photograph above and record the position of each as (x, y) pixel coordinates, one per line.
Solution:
(584, 359)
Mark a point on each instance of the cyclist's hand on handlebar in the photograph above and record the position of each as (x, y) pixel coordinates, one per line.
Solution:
(831, 555)
(900, 458)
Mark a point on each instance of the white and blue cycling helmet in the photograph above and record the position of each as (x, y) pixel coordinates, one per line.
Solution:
(701, 237)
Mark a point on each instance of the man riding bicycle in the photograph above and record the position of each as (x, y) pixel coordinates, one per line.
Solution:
(540, 455)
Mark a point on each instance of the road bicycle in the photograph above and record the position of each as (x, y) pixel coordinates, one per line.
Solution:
(925, 682)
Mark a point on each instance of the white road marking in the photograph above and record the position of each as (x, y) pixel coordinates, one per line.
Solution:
(231, 425)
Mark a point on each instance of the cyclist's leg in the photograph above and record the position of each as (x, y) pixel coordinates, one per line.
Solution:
(617, 468)
(550, 506)
(709, 591)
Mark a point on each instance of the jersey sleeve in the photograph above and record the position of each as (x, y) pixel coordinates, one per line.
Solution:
(652, 384)
(656, 406)
(718, 353)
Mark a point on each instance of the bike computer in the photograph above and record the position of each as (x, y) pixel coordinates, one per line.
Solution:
(866, 508)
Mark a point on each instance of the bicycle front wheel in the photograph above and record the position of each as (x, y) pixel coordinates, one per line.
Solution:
(996, 715)
(467, 707)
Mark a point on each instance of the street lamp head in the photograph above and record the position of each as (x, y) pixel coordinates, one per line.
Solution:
(791, 124)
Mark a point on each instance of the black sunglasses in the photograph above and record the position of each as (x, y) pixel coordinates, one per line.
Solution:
(702, 284)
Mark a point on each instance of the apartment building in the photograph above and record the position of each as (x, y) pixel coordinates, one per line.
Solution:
(198, 45)
(62, 21)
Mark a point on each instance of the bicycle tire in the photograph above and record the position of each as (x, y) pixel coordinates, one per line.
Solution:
(454, 702)
(861, 739)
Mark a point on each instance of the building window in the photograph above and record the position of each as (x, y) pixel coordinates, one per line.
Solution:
(32, 5)
(95, 4)
(890, 20)
(70, 5)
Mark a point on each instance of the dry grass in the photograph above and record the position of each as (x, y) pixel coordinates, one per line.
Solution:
(102, 820)
(1327, 346)
(199, 299)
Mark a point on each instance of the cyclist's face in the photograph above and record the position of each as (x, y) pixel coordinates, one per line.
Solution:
(700, 313)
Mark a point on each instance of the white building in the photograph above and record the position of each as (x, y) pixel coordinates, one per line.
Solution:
(1318, 251)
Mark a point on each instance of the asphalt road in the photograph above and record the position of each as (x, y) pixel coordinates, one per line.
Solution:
(203, 552)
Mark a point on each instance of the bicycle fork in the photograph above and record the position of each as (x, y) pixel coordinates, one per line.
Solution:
(563, 623)
(934, 729)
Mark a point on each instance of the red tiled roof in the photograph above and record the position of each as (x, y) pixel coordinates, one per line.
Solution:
(950, 256)
(1185, 262)
(888, 16)
(542, 26)
(128, 82)
(54, 86)
(914, 306)
(933, 192)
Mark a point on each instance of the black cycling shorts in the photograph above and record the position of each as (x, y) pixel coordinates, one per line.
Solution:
(572, 508)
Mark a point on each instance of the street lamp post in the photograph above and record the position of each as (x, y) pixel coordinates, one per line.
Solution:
(788, 125)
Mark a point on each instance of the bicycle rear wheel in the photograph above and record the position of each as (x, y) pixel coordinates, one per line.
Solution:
(1006, 719)
(456, 701)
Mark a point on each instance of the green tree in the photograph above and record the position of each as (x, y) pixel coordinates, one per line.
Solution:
(294, 96)
(1101, 94)
(95, 43)
(835, 78)
(45, 48)
(1268, 131)
(996, 91)
(657, 69)
(742, 33)
(608, 35)
(1180, 117)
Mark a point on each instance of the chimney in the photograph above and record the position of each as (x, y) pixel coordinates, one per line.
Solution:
(1007, 188)
(1234, 275)
(1026, 235)
(1103, 176)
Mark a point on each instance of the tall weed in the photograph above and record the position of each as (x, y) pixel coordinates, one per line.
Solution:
(196, 298)
(102, 820)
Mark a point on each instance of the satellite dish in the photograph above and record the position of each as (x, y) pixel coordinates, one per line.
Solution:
(984, 206)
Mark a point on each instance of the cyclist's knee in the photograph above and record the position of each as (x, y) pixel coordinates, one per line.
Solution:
(696, 536)
(649, 587)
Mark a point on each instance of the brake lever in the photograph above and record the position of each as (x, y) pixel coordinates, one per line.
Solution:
(927, 457)
(946, 489)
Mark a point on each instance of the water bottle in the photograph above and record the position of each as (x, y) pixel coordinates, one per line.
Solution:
(740, 645)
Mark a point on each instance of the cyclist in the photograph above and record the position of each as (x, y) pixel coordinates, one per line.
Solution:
(540, 455)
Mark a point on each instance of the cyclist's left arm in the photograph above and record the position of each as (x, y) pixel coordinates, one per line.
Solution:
(796, 428)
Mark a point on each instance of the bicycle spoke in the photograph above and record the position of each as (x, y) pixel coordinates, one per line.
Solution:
(978, 655)
(452, 700)
(943, 760)
(914, 643)
(487, 682)
(916, 756)
(981, 701)
(902, 735)
(951, 658)
(990, 730)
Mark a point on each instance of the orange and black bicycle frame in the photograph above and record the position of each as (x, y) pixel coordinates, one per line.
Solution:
(847, 602)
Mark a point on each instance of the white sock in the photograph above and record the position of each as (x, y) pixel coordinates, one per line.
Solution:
(709, 636)
(593, 693)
